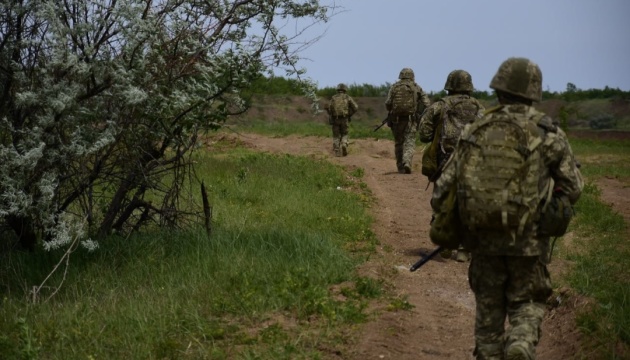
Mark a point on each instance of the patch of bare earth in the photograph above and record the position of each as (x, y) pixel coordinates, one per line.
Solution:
(441, 323)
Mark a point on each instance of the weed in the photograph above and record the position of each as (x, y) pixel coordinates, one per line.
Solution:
(358, 173)
(399, 303)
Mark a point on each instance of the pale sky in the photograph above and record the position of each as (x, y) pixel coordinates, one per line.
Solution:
(585, 42)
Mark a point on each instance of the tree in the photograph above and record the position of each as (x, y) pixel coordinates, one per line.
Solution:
(102, 101)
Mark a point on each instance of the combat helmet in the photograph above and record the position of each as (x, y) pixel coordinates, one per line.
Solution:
(459, 81)
(406, 73)
(342, 87)
(520, 77)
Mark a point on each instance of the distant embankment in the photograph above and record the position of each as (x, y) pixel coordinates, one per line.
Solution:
(599, 134)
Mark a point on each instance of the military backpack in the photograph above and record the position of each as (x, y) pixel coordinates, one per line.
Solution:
(339, 107)
(457, 112)
(404, 98)
(498, 173)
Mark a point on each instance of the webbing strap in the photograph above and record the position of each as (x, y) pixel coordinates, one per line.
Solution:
(504, 213)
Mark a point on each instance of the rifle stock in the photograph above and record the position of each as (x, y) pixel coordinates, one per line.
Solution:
(425, 259)
(380, 125)
(385, 121)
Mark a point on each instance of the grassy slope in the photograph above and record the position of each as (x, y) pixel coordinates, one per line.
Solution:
(602, 266)
(283, 234)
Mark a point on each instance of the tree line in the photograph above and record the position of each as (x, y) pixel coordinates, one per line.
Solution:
(278, 85)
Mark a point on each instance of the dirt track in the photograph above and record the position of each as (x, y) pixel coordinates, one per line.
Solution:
(440, 325)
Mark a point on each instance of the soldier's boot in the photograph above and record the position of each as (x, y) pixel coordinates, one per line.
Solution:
(489, 352)
(407, 168)
(344, 150)
(524, 333)
(518, 350)
(462, 255)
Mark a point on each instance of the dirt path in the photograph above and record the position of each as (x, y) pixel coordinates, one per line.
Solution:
(440, 325)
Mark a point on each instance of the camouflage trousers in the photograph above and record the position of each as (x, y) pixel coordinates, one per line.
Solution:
(340, 137)
(515, 287)
(404, 132)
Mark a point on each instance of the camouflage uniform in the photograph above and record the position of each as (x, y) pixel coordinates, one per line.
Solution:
(459, 86)
(340, 124)
(508, 272)
(405, 129)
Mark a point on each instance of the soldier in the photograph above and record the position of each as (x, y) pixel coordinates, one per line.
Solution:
(502, 169)
(405, 102)
(442, 123)
(340, 111)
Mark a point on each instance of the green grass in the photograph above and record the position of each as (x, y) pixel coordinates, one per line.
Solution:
(358, 129)
(603, 158)
(601, 254)
(259, 288)
(602, 272)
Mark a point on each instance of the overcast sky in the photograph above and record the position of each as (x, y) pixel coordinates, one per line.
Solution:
(585, 42)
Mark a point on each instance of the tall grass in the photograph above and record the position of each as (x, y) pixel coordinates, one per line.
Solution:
(285, 229)
(602, 262)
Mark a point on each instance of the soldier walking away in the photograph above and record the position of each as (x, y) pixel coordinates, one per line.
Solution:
(405, 102)
(505, 167)
(442, 123)
(340, 110)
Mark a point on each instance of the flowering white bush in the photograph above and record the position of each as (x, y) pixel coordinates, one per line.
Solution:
(100, 100)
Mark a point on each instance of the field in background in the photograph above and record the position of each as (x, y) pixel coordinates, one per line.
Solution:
(280, 114)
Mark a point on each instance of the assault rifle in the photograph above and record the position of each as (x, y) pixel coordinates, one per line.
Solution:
(382, 123)
(423, 260)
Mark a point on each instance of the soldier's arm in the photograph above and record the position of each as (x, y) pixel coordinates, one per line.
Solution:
(562, 165)
(388, 102)
(428, 122)
(423, 98)
(354, 107)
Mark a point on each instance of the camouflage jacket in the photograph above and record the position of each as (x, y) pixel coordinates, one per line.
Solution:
(423, 98)
(558, 163)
